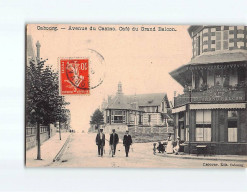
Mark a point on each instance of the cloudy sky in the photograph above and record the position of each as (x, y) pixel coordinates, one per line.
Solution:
(141, 60)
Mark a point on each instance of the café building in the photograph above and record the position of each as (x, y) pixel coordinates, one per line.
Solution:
(212, 110)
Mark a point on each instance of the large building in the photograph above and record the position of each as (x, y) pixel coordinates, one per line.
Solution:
(123, 111)
(212, 111)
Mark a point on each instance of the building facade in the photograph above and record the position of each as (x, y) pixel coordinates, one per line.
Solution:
(123, 111)
(212, 111)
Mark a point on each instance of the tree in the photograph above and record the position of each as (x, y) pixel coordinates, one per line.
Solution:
(97, 118)
(44, 105)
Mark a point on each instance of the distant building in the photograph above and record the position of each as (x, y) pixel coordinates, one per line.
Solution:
(123, 111)
(212, 111)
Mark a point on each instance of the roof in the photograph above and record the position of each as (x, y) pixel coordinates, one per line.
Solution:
(227, 59)
(221, 57)
(215, 58)
(128, 101)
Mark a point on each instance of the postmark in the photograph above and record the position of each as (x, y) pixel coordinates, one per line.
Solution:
(74, 76)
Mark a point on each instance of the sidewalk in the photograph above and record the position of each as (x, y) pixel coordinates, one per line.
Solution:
(49, 149)
(239, 158)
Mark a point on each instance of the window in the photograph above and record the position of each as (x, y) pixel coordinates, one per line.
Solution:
(140, 118)
(118, 116)
(225, 39)
(198, 45)
(218, 40)
(232, 126)
(107, 116)
(222, 40)
(220, 77)
(203, 125)
(242, 76)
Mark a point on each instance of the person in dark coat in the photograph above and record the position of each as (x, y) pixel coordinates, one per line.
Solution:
(113, 141)
(100, 142)
(127, 141)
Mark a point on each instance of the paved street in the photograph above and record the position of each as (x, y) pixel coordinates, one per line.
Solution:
(82, 152)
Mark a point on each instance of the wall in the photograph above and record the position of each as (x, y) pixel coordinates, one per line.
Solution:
(118, 127)
(220, 134)
(155, 119)
(31, 138)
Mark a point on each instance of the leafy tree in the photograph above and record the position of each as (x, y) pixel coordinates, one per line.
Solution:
(44, 105)
(97, 118)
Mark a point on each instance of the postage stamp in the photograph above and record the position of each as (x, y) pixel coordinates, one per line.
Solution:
(74, 76)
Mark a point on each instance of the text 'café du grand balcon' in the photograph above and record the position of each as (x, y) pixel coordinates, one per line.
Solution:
(212, 111)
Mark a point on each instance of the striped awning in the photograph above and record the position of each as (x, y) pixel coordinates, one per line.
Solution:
(179, 109)
(218, 106)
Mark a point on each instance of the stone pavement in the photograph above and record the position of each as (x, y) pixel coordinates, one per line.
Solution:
(49, 150)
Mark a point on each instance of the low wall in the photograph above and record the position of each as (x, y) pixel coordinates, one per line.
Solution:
(120, 128)
(45, 133)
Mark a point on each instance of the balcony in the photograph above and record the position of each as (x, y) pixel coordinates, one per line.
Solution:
(216, 94)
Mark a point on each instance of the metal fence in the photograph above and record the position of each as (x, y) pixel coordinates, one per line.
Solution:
(33, 130)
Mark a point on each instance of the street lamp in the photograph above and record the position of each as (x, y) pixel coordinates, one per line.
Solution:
(37, 136)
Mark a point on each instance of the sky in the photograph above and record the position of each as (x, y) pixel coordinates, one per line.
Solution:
(141, 60)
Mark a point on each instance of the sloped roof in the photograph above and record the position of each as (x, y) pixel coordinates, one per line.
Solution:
(224, 58)
(126, 101)
(119, 102)
(234, 56)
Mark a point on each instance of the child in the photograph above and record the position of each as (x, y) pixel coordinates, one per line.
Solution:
(154, 149)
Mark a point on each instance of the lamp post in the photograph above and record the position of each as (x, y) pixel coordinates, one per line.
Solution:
(37, 136)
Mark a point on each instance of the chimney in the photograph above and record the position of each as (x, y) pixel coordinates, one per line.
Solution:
(38, 51)
(119, 91)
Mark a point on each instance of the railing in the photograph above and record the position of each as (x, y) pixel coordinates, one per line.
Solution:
(214, 94)
(33, 130)
(118, 121)
(30, 130)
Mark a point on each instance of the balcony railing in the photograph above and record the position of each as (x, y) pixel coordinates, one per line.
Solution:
(214, 95)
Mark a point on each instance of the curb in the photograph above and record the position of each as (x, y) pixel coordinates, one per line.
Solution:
(201, 158)
(60, 153)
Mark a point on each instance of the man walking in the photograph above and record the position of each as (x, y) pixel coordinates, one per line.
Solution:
(113, 142)
(127, 141)
(100, 141)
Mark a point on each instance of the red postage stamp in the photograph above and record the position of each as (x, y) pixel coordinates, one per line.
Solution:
(74, 76)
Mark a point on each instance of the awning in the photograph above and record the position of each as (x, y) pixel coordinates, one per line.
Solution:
(179, 109)
(218, 106)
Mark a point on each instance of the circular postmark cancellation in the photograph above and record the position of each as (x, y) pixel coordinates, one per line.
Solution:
(78, 75)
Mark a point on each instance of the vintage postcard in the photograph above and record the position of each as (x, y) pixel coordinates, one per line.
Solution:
(136, 96)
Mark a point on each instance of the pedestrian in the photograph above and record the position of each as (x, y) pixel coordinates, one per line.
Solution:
(113, 142)
(177, 147)
(127, 141)
(100, 142)
(169, 147)
(154, 148)
(160, 147)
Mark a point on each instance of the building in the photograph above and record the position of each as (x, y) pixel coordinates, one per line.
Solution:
(123, 111)
(212, 111)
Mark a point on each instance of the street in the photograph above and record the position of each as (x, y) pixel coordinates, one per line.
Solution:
(82, 152)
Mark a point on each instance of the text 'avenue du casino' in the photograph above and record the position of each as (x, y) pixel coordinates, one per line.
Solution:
(104, 28)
